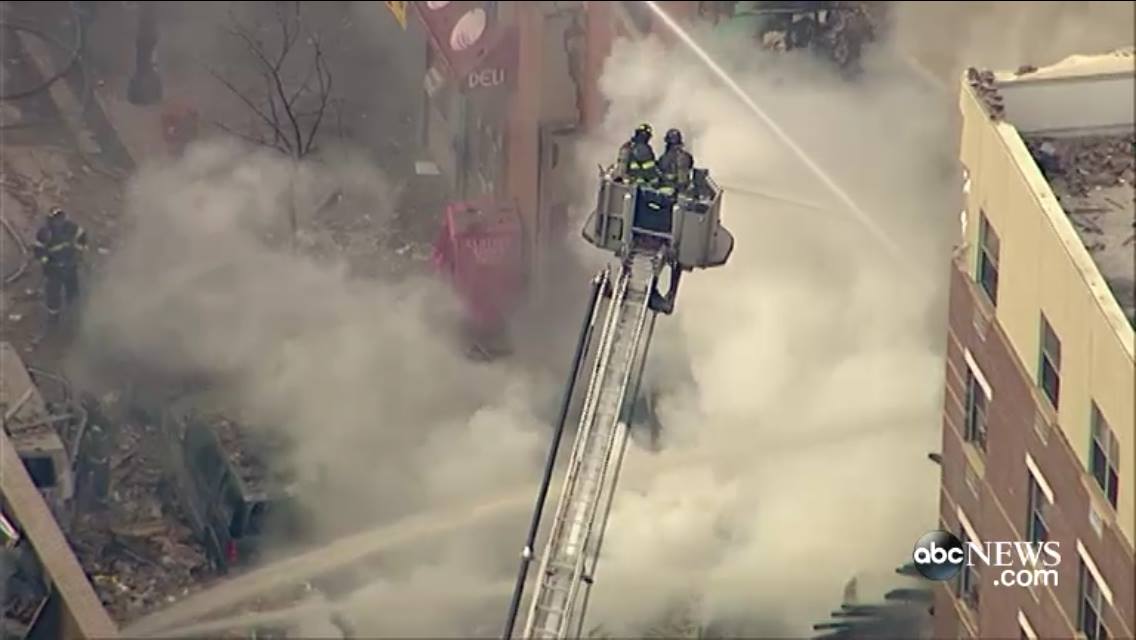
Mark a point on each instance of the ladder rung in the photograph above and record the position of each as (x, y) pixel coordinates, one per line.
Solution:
(555, 587)
(550, 610)
(558, 566)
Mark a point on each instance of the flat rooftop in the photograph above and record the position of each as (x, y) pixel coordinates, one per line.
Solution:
(1092, 177)
(1078, 120)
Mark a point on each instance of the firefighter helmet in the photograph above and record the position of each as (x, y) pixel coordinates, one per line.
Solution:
(673, 137)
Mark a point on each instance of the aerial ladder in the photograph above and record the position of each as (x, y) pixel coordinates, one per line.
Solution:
(648, 232)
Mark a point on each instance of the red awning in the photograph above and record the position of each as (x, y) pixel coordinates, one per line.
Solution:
(461, 33)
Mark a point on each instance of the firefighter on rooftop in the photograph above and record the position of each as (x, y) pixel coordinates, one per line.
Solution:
(58, 246)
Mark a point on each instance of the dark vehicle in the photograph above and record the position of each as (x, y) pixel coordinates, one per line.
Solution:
(230, 482)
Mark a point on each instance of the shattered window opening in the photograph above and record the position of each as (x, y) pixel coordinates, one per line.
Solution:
(42, 471)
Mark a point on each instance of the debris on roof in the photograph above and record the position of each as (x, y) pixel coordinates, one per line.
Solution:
(986, 88)
(1093, 178)
(1086, 162)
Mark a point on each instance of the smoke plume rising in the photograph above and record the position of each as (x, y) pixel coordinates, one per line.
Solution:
(795, 447)
(817, 361)
(366, 374)
(817, 375)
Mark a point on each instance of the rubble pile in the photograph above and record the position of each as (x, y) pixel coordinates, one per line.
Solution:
(138, 551)
(1086, 163)
(250, 467)
(373, 245)
(986, 88)
(21, 599)
(836, 30)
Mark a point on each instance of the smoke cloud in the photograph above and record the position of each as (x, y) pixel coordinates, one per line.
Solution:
(797, 458)
(803, 379)
(817, 373)
(366, 374)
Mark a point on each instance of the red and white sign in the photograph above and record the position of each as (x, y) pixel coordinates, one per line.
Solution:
(475, 53)
(498, 68)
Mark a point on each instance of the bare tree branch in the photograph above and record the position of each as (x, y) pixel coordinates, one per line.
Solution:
(283, 114)
(277, 134)
(305, 85)
(256, 110)
(252, 139)
(273, 74)
(324, 77)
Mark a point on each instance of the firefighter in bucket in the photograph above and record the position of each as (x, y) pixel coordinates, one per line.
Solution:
(479, 251)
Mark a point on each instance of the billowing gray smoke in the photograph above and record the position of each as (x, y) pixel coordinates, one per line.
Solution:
(817, 376)
(365, 374)
(795, 457)
(798, 460)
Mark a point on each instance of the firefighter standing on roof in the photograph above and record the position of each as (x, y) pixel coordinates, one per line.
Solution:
(58, 246)
(676, 164)
(636, 161)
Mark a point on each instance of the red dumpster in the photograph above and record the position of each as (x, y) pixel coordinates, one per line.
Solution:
(479, 250)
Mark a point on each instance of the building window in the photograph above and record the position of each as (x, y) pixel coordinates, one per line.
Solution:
(968, 577)
(1104, 456)
(1036, 528)
(988, 248)
(1049, 375)
(975, 410)
(1090, 606)
(42, 471)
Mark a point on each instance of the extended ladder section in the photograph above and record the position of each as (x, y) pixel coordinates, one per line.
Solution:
(573, 542)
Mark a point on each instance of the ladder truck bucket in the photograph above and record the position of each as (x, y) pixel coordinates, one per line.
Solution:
(687, 227)
(646, 229)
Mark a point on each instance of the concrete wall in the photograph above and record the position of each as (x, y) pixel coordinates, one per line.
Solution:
(1044, 267)
(1080, 92)
(1106, 101)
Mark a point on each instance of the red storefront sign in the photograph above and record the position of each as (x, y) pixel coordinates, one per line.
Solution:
(498, 70)
(475, 53)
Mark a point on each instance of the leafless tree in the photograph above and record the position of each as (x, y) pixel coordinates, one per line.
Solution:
(294, 95)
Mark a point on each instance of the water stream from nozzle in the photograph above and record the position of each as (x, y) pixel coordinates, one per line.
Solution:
(845, 199)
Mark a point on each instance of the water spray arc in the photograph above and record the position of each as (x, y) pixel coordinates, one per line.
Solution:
(861, 216)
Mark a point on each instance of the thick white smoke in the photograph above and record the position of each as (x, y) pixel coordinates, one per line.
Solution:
(795, 448)
(817, 380)
(366, 375)
(799, 458)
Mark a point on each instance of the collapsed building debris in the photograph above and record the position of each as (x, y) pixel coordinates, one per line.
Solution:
(986, 87)
(835, 30)
(22, 588)
(138, 549)
(1093, 178)
(34, 427)
(1084, 163)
